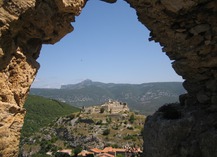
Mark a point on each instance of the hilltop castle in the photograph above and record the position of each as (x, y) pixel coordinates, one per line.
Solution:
(108, 107)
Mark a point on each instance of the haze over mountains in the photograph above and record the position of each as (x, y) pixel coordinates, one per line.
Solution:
(144, 98)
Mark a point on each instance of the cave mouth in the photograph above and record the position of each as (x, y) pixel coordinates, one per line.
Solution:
(132, 43)
(185, 29)
(105, 46)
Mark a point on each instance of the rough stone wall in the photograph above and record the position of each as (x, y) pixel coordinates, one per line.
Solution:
(185, 29)
(109, 107)
(24, 27)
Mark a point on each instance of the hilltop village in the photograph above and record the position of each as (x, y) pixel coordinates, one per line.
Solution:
(115, 110)
(111, 106)
(109, 129)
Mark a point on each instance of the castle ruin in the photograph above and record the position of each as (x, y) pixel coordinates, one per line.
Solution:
(112, 107)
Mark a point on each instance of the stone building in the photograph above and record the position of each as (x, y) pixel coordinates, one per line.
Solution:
(108, 107)
(115, 106)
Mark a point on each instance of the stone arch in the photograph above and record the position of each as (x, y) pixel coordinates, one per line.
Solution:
(186, 30)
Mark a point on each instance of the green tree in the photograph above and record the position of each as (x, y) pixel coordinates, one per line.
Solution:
(106, 132)
(60, 154)
(99, 122)
(45, 146)
(108, 120)
(132, 118)
(102, 110)
(120, 155)
(77, 150)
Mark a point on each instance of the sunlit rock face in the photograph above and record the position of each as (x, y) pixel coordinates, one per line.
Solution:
(24, 26)
(185, 29)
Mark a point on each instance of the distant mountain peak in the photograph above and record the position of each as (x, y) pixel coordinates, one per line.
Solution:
(80, 85)
(87, 81)
(145, 98)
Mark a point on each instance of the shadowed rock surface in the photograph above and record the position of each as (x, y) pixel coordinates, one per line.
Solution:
(24, 27)
(176, 131)
(187, 31)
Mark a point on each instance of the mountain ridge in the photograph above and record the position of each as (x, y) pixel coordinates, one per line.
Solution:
(89, 82)
(144, 98)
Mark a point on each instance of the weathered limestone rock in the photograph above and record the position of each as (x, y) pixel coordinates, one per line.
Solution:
(178, 5)
(192, 134)
(24, 27)
(187, 31)
(191, 28)
(14, 81)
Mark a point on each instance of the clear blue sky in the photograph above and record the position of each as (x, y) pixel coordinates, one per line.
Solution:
(109, 45)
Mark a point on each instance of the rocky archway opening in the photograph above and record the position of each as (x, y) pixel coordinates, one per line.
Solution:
(186, 30)
(105, 46)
